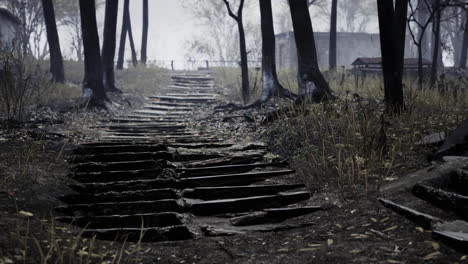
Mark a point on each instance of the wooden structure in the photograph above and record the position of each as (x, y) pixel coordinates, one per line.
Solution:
(375, 64)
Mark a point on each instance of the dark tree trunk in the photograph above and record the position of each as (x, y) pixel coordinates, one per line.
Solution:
(108, 46)
(271, 86)
(243, 49)
(92, 55)
(123, 36)
(144, 40)
(312, 84)
(56, 59)
(436, 43)
(392, 25)
(423, 17)
(333, 23)
(130, 36)
(464, 49)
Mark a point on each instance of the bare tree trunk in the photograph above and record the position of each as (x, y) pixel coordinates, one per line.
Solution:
(270, 86)
(333, 23)
(243, 49)
(436, 43)
(123, 37)
(464, 49)
(56, 59)
(312, 84)
(93, 64)
(392, 25)
(144, 41)
(108, 46)
(130, 36)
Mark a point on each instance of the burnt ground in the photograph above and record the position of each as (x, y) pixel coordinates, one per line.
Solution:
(34, 171)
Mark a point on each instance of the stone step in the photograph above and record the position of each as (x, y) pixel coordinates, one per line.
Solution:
(127, 185)
(233, 179)
(274, 215)
(122, 156)
(116, 208)
(118, 148)
(240, 205)
(123, 221)
(114, 176)
(127, 196)
(117, 166)
(145, 235)
(227, 169)
(213, 193)
(185, 99)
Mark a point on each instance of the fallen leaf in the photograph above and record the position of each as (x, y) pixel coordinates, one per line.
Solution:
(431, 256)
(24, 213)
(355, 251)
(307, 249)
(420, 229)
(283, 250)
(315, 245)
(435, 245)
(391, 228)
(373, 220)
(329, 242)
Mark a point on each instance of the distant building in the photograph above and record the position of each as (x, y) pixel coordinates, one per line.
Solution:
(375, 64)
(9, 28)
(349, 47)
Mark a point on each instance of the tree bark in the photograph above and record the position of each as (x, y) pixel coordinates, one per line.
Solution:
(108, 47)
(392, 25)
(270, 86)
(464, 50)
(312, 84)
(144, 41)
(92, 55)
(243, 49)
(333, 25)
(123, 38)
(56, 59)
(436, 43)
(130, 34)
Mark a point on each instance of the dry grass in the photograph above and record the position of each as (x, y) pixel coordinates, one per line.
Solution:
(351, 144)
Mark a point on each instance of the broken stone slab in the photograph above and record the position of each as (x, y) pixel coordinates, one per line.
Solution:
(246, 204)
(122, 157)
(124, 221)
(233, 179)
(274, 215)
(114, 176)
(431, 172)
(443, 199)
(133, 185)
(224, 161)
(211, 231)
(432, 139)
(212, 193)
(456, 143)
(116, 148)
(145, 235)
(126, 196)
(136, 207)
(118, 166)
(227, 169)
(424, 220)
(454, 234)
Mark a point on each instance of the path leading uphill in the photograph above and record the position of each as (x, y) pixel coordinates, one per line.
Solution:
(153, 177)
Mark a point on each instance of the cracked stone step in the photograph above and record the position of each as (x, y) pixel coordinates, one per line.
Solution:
(227, 169)
(424, 220)
(116, 208)
(212, 193)
(158, 113)
(128, 185)
(233, 179)
(122, 156)
(145, 235)
(275, 215)
(225, 161)
(240, 205)
(213, 181)
(118, 148)
(117, 166)
(444, 199)
(124, 221)
(153, 126)
(185, 99)
(197, 95)
(114, 176)
(126, 196)
(167, 108)
(172, 104)
(153, 134)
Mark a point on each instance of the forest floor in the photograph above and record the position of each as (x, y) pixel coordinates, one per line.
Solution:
(33, 171)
